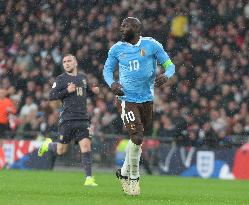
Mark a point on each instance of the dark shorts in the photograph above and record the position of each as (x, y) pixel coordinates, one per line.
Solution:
(137, 117)
(3, 129)
(73, 130)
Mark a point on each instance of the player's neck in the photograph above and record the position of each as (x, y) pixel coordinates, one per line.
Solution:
(135, 40)
(74, 73)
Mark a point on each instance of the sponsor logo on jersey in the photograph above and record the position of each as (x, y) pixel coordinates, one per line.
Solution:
(61, 137)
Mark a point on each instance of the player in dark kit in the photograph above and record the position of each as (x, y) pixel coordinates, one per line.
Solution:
(137, 58)
(71, 88)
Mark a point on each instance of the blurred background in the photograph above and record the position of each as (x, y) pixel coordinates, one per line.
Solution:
(205, 111)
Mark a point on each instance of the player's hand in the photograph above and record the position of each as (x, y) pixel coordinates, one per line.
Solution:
(117, 89)
(160, 80)
(71, 87)
(95, 90)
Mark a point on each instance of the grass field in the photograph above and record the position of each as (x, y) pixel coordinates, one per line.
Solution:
(59, 188)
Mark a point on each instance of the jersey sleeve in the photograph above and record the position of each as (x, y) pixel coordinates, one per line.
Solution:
(58, 91)
(109, 66)
(163, 58)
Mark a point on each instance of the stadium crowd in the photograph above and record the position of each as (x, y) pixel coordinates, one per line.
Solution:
(208, 42)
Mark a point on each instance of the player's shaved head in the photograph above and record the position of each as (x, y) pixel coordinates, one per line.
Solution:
(135, 22)
(131, 29)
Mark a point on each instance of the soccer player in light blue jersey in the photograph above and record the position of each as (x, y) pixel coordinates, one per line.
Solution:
(137, 59)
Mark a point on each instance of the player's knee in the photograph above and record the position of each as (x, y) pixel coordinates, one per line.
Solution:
(61, 150)
(85, 145)
(85, 148)
(137, 138)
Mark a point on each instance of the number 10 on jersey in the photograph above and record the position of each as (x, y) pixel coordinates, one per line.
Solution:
(134, 65)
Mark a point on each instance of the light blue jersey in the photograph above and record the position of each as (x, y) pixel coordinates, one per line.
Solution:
(137, 67)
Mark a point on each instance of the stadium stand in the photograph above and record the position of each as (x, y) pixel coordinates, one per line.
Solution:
(207, 40)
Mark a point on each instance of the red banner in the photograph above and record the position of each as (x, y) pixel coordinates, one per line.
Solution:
(241, 163)
(14, 150)
(2, 157)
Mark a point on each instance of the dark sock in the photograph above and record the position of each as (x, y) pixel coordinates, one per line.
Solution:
(52, 147)
(87, 163)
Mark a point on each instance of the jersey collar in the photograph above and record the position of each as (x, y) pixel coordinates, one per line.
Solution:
(137, 44)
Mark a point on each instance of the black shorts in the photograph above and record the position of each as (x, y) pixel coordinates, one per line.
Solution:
(137, 117)
(3, 129)
(73, 130)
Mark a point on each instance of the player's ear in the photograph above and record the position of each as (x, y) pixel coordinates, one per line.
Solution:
(75, 59)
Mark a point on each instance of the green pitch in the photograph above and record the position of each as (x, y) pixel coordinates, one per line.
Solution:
(62, 188)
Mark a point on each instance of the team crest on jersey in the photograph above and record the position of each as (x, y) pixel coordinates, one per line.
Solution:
(84, 81)
(142, 52)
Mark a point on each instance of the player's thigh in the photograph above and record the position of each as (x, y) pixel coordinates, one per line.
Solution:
(131, 117)
(66, 132)
(81, 134)
(62, 148)
(146, 112)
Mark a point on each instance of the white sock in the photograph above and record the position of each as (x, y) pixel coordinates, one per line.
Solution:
(125, 168)
(134, 158)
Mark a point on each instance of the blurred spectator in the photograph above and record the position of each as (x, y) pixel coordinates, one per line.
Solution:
(6, 108)
(167, 131)
(28, 107)
(208, 136)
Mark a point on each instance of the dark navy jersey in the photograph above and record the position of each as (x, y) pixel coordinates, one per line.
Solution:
(73, 104)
